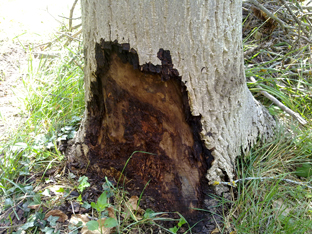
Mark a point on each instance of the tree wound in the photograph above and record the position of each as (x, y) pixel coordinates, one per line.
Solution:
(145, 108)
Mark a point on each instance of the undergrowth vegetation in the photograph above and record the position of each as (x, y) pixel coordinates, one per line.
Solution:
(272, 194)
(53, 99)
(53, 104)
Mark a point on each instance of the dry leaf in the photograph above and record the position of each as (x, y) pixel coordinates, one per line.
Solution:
(75, 219)
(130, 206)
(215, 231)
(111, 212)
(281, 207)
(34, 207)
(57, 213)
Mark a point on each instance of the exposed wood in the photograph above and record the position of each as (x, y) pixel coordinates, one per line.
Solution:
(145, 108)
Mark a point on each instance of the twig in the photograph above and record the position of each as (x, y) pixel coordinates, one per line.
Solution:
(73, 36)
(69, 36)
(295, 34)
(296, 19)
(77, 26)
(233, 184)
(69, 18)
(55, 18)
(279, 104)
(272, 16)
(252, 50)
(13, 226)
(70, 23)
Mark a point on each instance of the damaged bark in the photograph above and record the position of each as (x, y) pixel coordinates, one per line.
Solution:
(145, 108)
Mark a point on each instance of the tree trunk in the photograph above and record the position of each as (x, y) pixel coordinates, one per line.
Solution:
(166, 77)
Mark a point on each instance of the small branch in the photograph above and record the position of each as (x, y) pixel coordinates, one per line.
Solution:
(69, 18)
(73, 36)
(280, 105)
(69, 36)
(77, 26)
(233, 184)
(261, 46)
(70, 23)
(296, 19)
(272, 16)
(61, 23)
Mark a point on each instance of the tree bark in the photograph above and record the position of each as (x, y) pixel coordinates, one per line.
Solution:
(166, 77)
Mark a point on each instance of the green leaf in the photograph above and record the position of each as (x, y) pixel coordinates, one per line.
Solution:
(93, 225)
(27, 225)
(149, 214)
(48, 230)
(79, 198)
(174, 229)
(304, 171)
(101, 204)
(94, 206)
(181, 222)
(60, 190)
(102, 200)
(86, 205)
(18, 232)
(8, 202)
(83, 183)
(36, 200)
(52, 220)
(110, 223)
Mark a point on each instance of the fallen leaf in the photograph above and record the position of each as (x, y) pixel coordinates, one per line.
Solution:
(75, 219)
(57, 213)
(130, 206)
(215, 231)
(34, 207)
(281, 207)
(111, 212)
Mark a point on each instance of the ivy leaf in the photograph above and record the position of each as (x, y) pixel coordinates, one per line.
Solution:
(83, 183)
(52, 220)
(86, 205)
(48, 230)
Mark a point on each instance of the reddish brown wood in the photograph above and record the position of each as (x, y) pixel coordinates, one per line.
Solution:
(145, 108)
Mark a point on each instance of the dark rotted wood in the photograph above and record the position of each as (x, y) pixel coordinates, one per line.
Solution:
(145, 108)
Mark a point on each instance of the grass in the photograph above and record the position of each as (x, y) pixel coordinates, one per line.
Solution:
(275, 205)
(53, 99)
